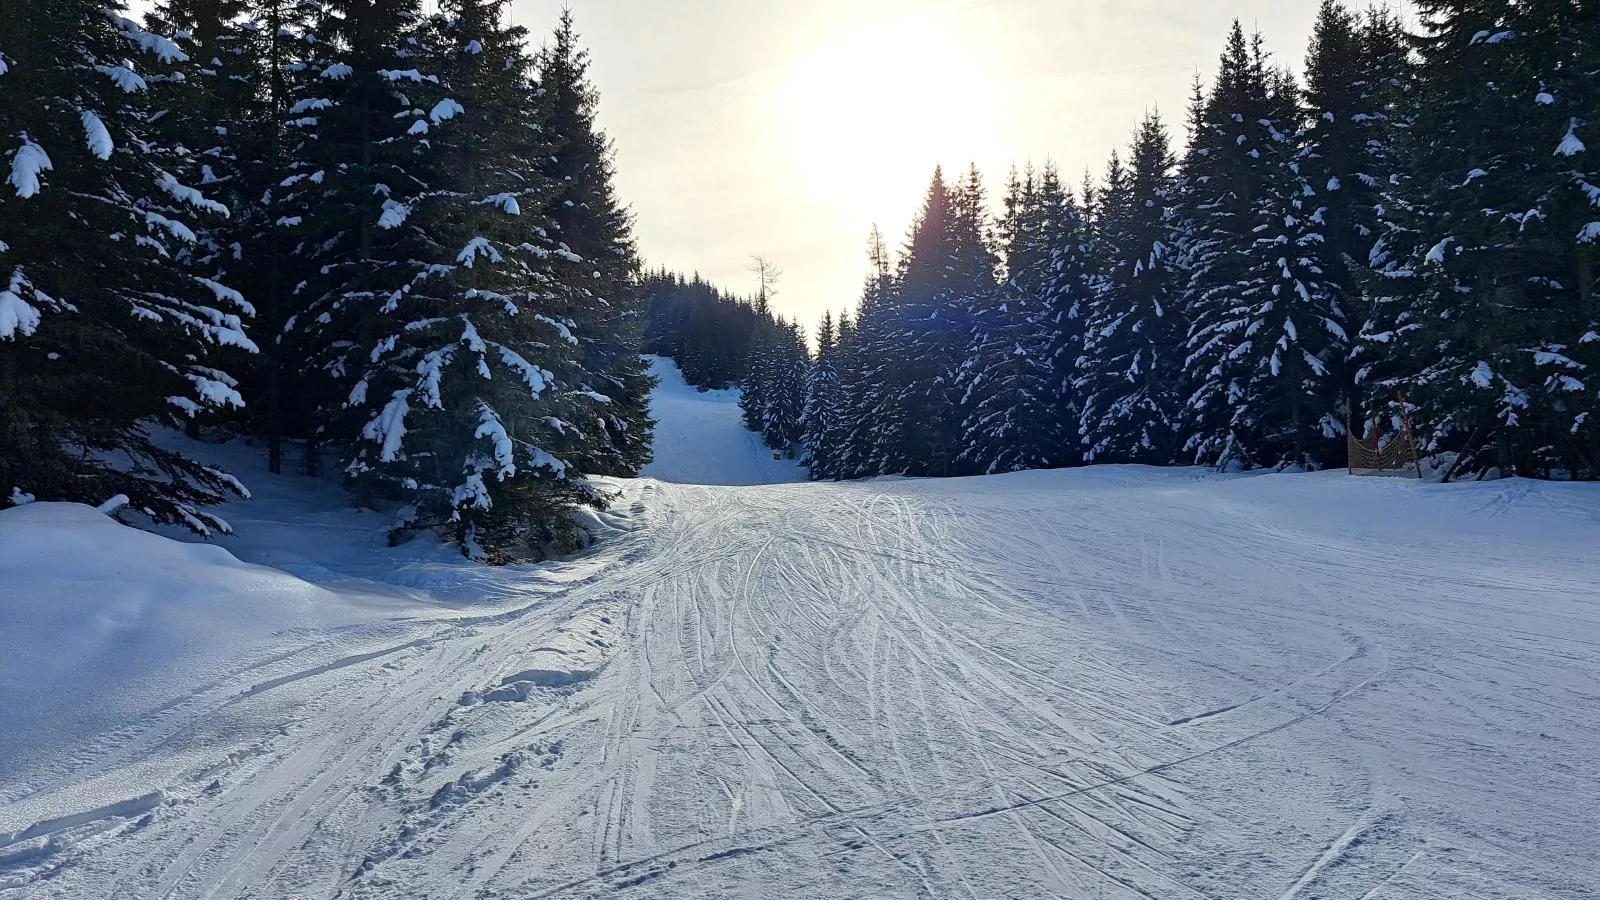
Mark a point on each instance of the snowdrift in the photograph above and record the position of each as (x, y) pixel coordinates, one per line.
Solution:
(102, 624)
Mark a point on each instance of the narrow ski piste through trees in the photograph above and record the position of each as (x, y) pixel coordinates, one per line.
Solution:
(375, 524)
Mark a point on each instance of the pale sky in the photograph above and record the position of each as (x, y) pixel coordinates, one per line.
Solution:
(787, 129)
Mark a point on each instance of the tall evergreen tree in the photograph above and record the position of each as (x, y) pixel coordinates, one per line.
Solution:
(474, 394)
(196, 99)
(101, 334)
(1266, 327)
(1131, 369)
(782, 426)
(867, 404)
(946, 274)
(593, 226)
(1491, 260)
(822, 400)
(1066, 287)
(1356, 89)
(832, 462)
(361, 164)
(1008, 381)
(758, 385)
(231, 102)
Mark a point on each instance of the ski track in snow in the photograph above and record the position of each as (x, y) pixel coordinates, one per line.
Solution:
(1113, 683)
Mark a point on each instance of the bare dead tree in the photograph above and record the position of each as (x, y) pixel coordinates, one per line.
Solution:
(769, 274)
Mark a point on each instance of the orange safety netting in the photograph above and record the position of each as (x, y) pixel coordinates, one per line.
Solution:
(1374, 453)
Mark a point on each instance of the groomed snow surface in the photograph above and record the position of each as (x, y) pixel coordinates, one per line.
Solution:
(701, 439)
(1104, 683)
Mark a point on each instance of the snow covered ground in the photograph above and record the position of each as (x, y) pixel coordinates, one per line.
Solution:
(1106, 683)
(701, 439)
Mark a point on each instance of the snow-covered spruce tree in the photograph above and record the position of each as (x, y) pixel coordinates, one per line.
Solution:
(828, 462)
(602, 294)
(1492, 261)
(199, 98)
(1131, 367)
(781, 426)
(972, 289)
(360, 161)
(226, 104)
(101, 333)
(907, 420)
(1357, 82)
(822, 401)
(946, 272)
(1007, 380)
(755, 389)
(866, 408)
(473, 394)
(267, 260)
(1266, 328)
(1068, 230)
(1220, 186)
(231, 106)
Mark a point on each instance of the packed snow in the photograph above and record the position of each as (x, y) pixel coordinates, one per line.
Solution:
(700, 438)
(1113, 682)
(127, 623)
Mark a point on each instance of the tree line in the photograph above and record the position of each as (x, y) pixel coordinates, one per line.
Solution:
(707, 331)
(1409, 231)
(380, 239)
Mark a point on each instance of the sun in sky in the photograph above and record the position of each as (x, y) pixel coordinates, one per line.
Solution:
(869, 112)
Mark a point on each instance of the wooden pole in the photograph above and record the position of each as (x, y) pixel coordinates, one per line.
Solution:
(1349, 441)
(1411, 436)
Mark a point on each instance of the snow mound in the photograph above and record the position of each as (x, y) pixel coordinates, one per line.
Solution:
(573, 653)
(701, 439)
(102, 625)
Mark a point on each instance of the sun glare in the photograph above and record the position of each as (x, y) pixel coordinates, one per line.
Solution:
(873, 111)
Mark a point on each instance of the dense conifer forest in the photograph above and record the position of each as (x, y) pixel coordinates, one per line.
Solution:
(387, 245)
(381, 242)
(1411, 229)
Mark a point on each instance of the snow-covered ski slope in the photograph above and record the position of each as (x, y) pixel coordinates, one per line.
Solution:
(700, 438)
(1110, 683)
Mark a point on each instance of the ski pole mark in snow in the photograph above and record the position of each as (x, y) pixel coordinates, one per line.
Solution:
(1334, 851)
(1372, 894)
(1210, 714)
(280, 681)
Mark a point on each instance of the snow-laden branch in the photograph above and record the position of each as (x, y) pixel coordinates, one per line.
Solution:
(388, 429)
(149, 42)
(566, 332)
(185, 194)
(94, 130)
(123, 77)
(394, 214)
(491, 428)
(478, 246)
(27, 162)
(535, 378)
(506, 202)
(16, 315)
(447, 108)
